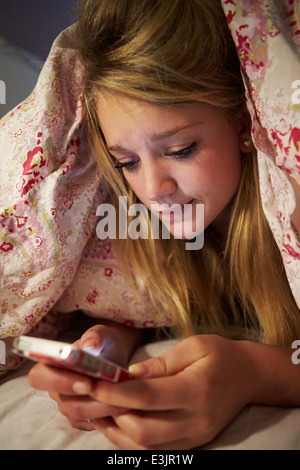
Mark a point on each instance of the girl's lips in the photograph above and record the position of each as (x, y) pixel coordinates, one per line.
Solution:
(169, 209)
(178, 214)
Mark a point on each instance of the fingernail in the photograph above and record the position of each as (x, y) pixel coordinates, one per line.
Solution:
(139, 369)
(93, 350)
(89, 344)
(81, 388)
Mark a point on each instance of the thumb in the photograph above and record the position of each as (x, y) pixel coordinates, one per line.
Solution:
(169, 363)
(154, 367)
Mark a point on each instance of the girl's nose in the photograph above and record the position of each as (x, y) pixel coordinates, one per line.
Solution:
(159, 185)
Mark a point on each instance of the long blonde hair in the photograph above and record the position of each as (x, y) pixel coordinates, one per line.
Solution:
(180, 52)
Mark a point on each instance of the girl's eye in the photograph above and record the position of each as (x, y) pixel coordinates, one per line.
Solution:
(184, 153)
(128, 165)
(179, 154)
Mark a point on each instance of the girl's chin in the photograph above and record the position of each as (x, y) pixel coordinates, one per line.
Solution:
(184, 233)
(188, 229)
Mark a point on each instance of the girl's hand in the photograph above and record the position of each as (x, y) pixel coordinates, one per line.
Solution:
(71, 390)
(181, 399)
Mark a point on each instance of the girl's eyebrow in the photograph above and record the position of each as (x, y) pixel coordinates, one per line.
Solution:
(157, 137)
(164, 135)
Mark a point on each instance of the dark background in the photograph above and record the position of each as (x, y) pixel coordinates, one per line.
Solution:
(34, 24)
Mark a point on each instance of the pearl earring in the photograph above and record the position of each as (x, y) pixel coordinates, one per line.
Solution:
(247, 143)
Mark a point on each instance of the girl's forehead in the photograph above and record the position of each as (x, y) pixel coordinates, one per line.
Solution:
(120, 119)
(117, 107)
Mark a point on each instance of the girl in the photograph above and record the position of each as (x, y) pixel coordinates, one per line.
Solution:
(167, 121)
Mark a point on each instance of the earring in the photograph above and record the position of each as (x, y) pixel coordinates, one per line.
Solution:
(247, 143)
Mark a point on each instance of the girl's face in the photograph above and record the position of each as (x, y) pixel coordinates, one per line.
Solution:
(175, 155)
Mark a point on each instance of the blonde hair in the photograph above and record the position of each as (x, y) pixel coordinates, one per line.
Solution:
(180, 52)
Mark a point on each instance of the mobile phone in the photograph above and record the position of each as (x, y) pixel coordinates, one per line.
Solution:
(68, 356)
